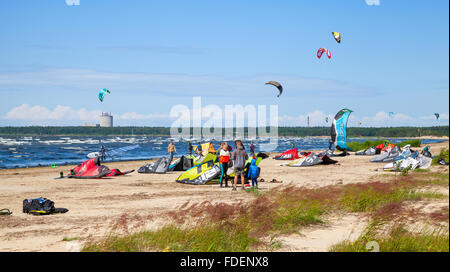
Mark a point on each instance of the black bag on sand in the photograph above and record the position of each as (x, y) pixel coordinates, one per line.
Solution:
(41, 206)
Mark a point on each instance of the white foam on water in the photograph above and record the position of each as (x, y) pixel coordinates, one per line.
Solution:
(49, 142)
(72, 148)
(20, 156)
(13, 142)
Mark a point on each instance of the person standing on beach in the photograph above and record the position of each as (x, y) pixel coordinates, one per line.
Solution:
(330, 145)
(102, 153)
(199, 149)
(171, 149)
(239, 157)
(224, 154)
(252, 149)
(190, 148)
(253, 173)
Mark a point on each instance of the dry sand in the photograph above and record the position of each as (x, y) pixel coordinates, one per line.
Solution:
(141, 200)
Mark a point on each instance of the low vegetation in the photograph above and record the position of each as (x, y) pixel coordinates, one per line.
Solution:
(442, 155)
(397, 239)
(370, 200)
(246, 226)
(165, 131)
(356, 146)
(205, 238)
(68, 239)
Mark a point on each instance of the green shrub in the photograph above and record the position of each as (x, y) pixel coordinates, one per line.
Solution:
(442, 155)
(356, 146)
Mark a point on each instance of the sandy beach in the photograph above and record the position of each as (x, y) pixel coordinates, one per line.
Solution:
(144, 200)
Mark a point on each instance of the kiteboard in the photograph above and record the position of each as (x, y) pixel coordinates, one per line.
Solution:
(93, 155)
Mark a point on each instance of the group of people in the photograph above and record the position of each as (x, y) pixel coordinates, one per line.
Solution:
(237, 159)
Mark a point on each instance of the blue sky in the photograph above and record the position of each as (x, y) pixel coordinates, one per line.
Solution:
(153, 55)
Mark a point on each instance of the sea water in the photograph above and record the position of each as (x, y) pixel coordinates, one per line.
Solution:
(20, 152)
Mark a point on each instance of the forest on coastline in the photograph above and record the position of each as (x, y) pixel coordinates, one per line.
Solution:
(437, 131)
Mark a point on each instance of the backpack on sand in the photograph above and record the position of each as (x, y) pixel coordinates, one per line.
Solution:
(41, 206)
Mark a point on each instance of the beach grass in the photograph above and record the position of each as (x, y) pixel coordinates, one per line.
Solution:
(240, 234)
(291, 216)
(68, 239)
(429, 178)
(370, 200)
(443, 154)
(246, 226)
(256, 191)
(397, 239)
(421, 170)
(203, 238)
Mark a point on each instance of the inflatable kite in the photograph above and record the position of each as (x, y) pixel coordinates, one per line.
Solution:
(181, 164)
(291, 154)
(200, 174)
(387, 156)
(368, 152)
(339, 129)
(437, 115)
(91, 169)
(311, 159)
(102, 94)
(278, 85)
(161, 166)
(323, 50)
(337, 36)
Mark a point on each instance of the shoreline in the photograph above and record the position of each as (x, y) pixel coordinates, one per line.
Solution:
(156, 157)
(168, 136)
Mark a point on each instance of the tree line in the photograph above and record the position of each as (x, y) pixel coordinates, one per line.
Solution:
(165, 131)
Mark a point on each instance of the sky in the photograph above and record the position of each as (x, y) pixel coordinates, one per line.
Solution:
(55, 56)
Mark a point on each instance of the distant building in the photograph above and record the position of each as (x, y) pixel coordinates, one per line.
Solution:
(106, 120)
(91, 125)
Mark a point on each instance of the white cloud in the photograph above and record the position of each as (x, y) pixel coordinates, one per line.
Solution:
(373, 2)
(442, 117)
(138, 116)
(383, 119)
(178, 84)
(316, 118)
(28, 112)
(36, 112)
(61, 115)
(380, 119)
